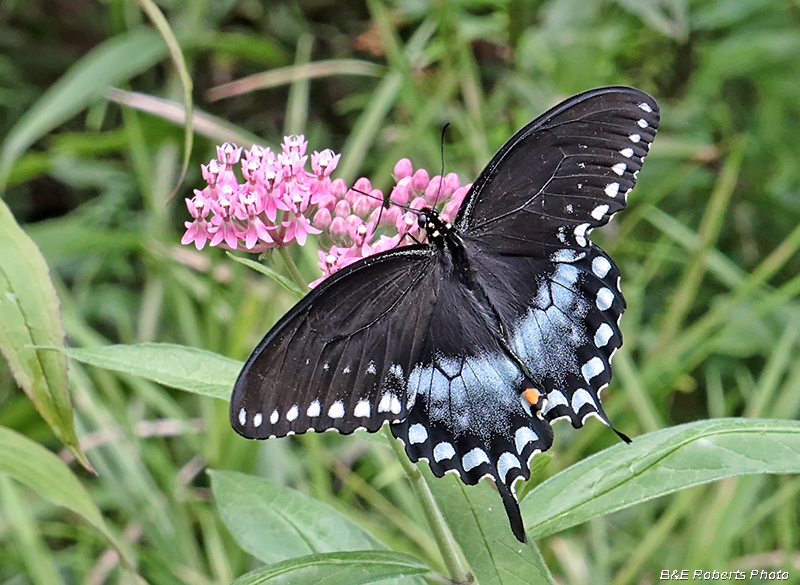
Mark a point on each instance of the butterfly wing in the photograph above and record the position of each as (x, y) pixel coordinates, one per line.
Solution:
(467, 415)
(341, 357)
(560, 317)
(568, 171)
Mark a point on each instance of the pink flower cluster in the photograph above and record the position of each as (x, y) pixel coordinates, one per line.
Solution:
(279, 202)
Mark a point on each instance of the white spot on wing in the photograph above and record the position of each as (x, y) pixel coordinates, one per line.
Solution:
(314, 409)
(242, 417)
(599, 211)
(505, 463)
(555, 398)
(371, 368)
(443, 451)
(580, 399)
(594, 367)
(626, 152)
(336, 410)
(602, 335)
(566, 255)
(580, 234)
(395, 406)
(635, 138)
(292, 414)
(417, 433)
(645, 107)
(362, 409)
(642, 123)
(619, 168)
(389, 403)
(474, 458)
(346, 370)
(523, 436)
(600, 266)
(604, 299)
(258, 419)
(273, 418)
(612, 189)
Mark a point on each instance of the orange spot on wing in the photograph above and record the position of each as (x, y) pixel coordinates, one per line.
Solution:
(531, 395)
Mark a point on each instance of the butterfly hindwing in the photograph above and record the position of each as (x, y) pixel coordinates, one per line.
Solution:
(562, 175)
(467, 415)
(340, 358)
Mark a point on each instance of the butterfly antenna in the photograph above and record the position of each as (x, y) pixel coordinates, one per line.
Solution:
(441, 175)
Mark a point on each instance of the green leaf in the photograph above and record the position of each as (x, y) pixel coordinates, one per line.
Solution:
(479, 523)
(660, 463)
(340, 568)
(267, 271)
(36, 467)
(274, 523)
(30, 316)
(177, 366)
(111, 62)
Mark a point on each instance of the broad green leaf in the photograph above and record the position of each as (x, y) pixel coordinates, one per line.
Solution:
(36, 467)
(274, 523)
(30, 316)
(339, 568)
(660, 463)
(111, 62)
(478, 521)
(185, 368)
(267, 271)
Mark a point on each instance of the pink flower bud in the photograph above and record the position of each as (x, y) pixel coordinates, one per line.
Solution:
(400, 194)
(342, 209)
(363, 185)
(451, 183)
(420, 181)
(338, 228)
(362, 206)
(322, 218)
(403, 169)
(375, 198)
(339, 188)
(433, 192)
(419, 203)
(354, 220)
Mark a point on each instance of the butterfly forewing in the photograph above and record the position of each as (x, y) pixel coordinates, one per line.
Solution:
(340, 359)
(563, 174)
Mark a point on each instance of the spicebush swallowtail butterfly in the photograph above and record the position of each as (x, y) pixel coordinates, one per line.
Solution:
(472, 344)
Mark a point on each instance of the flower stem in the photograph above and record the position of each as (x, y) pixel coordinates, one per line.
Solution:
(451, 554)
(292, 267)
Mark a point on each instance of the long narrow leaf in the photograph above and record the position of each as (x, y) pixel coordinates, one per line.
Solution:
(341, 568)
(185, 368)
(33, 465)
(30, 316)
(660, 463)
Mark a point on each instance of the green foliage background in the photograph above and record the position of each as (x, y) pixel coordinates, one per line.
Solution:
(707, 249)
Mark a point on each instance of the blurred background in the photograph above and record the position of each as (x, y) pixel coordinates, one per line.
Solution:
(707, 249)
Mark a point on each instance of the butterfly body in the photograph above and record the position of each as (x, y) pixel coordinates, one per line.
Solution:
(472, 344)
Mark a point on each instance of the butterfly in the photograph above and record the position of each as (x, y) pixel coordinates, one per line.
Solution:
(471, 344)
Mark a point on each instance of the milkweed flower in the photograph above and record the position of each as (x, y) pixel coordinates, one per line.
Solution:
(278, 202)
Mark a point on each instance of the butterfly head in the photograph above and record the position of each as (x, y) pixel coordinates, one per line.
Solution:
(436, 229)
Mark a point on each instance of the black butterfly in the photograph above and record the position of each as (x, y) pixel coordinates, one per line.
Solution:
(471, 345)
